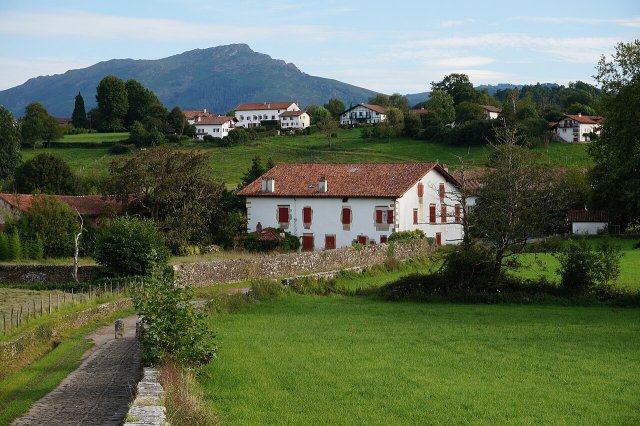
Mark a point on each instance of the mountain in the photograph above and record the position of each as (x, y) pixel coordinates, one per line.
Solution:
(217, 78)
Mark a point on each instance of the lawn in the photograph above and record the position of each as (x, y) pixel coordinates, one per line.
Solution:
(229, 164)
(95, 137)
(353, 360)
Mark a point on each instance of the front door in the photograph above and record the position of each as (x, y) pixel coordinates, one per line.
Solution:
(307, 242)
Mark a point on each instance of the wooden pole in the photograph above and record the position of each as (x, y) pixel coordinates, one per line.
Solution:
(57, 301)
(4, 323)
(49, 303)
(34, 308)
(41, 305)
(12, 318)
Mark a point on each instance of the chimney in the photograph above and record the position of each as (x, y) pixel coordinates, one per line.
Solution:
(322, 185)
(268, 106)
(204, 110)
(579, 114)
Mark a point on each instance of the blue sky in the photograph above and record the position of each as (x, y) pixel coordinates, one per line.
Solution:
(388, 46)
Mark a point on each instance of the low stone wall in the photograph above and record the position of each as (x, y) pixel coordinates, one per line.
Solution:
(288, 264)
(18, 274)
(148, 407)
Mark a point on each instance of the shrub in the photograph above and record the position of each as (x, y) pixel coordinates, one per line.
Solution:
(416, 234)
(468, 267)
(15, 246)
(266, 289)
(585, 270)
(47, 174)
(4, 246)
(130, 246)
(174, 330)
(120, 149)
(252, 242)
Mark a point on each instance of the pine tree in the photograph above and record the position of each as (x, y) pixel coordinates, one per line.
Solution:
(39, 248)
(15, 246)
(4, 246)
(79, 117)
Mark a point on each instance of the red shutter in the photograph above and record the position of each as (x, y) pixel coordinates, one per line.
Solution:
(389, 216)
(458, 214)
(438, 239)
(443, 213)
(307, 242)
(378, 216)
(420, 190)
(329, 242)
(383, 239)
(441, 190)
(306, 215)
(283, 214)
(415, 216)
(432, 213)
(362, 239)
(346, 216)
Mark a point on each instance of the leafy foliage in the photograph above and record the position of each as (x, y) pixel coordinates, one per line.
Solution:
(252, 242)
(48, 174)
(174, 330)
(113, 104)
(131, 246)
(416, 234)
(37, 125)
(79, 116)
(9, 144)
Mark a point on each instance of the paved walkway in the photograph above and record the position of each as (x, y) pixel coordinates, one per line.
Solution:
(99, 391)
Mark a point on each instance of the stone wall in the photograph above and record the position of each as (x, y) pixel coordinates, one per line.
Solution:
(18, 274)
(289, 264)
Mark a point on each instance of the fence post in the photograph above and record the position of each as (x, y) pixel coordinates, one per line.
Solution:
(57, 301)
(34, 308)
(20, 322)
(12, 318)
(41, 305)
(49, 303)
(4, 323)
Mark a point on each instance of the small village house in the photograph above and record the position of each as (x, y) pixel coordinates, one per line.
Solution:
(295, 120)
(334, 205)
(586, 222)
(251, 115)
(363, 114)
(490, 112)
(217, 126)
(576, 128)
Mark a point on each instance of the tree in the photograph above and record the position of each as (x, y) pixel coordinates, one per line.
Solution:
(399, 101)
(175, 189)
(441, 106)
(412, 124)
(616, 153)
(458, 87)
(176, 121)
(131, 246)
(79, 116)
(9, 144)
(321, 113)
(328, 126)
(335, 106)
(517, 201)
(37, 125)
(254, 172)
(144, 106)
(468, 111)
(113, 104)
(47, 174)
(394, 123)
(380, 99)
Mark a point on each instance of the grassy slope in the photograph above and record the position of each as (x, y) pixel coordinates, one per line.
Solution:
(229, 164)
(339, 360)
(95, 137)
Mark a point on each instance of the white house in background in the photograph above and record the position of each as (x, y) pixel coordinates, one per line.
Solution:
(295, 120)
(335, 205)
(191, 115)
(490, 112)
(575, 128)
(363, 114)
(585, 222)
(250, 115)
(217, 126)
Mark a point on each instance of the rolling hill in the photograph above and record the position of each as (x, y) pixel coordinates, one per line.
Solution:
(217, 78)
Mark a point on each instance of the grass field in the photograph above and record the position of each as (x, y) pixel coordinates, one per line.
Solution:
(95, 137)
(349, 360)
(229, 164)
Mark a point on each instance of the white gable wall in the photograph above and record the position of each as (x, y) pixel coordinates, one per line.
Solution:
(252, 118)
(215, 130)
(362, 114)
(301, 121)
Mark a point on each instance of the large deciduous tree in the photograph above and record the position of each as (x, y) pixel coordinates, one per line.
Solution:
(175, 188)
(335, 106)
(38, 126)
(458, 87)
(9, 144)
(616, 174)
(144, 106)
(79, 116)
(441, 106)
(328, 126)
(113, 104)
(47, 174)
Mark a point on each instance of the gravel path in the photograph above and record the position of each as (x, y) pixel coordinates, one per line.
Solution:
(97, 392)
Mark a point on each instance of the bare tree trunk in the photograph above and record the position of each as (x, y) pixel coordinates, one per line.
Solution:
(77, 248)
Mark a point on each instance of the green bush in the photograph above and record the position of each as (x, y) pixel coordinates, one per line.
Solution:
(416, 234)
(130, 246)
(468, 267)
(174, 331)
(252, 242)
(4, 246)
(120, 149)
(15, 246)
(584, 270)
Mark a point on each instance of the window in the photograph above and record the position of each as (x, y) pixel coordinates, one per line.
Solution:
(383, 239)
(432, 213)
(362, 239)
(273, 117)
(283, 214)
(438, 238)
(346, 216)
(457, 213)
(379, 216)
(441, 191)
(443, 213)
(307, 242)
(241, 117)
(306, 217)
(329, 242)
(390, 216)
(420, 190)
(415, 216)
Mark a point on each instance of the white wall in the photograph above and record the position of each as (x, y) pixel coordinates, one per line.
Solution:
(376, 117)
(567, 133)
(215, 130)
(301, 121)
(588, 228)
(7, 212)
(252, 118)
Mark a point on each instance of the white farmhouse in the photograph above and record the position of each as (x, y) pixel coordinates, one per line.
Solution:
(217, 126)
(335, 205)
(490, 112)
(192, 115)
(251, 115)
(295, 120)
(363, 114)
(576, 128)
(585, 222)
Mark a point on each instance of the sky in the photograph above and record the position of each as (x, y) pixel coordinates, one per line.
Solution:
(386, 46)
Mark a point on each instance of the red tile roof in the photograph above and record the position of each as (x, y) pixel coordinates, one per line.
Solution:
(191, 114)
(376, 108)
(491, 108)
(363, 180)
(213, 119)
(472, 178)
(420, 111)
(88, 205)
(584, 119)
(263, 106)
(292, 113)
(587, 216)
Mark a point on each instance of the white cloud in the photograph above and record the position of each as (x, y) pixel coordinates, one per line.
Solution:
(461, 62)
(625, 22)
(456, 22)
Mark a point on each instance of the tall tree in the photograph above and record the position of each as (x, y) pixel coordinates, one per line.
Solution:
(144, 106)
(394, 123)
(79, 116)
(38, 126)
(113, 104)
(9, 144)
(328, 126)
(176, 121)
(441, 106)
(616, 174)
(335, 106)
(47, 174)
(458, 87)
